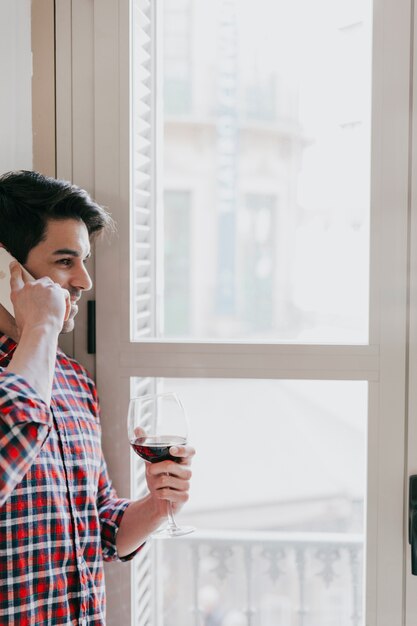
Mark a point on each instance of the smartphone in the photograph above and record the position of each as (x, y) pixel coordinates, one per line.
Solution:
(5, 260)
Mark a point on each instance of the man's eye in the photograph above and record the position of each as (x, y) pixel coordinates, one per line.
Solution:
(65, 262)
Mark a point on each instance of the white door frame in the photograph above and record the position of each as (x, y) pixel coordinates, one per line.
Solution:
(411, 438)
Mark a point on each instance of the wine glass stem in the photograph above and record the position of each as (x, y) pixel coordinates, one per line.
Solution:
(170, 514)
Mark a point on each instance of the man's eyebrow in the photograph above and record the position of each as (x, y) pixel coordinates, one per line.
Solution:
(70, 252)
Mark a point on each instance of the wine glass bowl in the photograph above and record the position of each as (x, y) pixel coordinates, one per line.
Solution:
(156, 423)
(156, 449)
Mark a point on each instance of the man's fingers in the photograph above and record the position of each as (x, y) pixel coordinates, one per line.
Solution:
(16, 276)
(67, 304)
(184, 452)
(19, 277)
(179, 470)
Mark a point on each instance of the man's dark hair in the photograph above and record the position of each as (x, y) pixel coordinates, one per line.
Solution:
(29, 200)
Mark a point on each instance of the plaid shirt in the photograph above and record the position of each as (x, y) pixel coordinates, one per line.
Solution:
(59, 514)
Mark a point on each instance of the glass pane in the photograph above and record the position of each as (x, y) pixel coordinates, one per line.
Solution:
(278, 492)
(16, 85)
(265, 170)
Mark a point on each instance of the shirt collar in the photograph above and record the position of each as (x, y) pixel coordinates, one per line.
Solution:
(7, 347)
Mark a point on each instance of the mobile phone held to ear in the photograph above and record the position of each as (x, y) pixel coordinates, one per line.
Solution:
(5, 260)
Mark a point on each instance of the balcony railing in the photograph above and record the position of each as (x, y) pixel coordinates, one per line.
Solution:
(260, 579)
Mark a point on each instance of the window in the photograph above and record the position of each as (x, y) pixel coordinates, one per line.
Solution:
(311, 150)
(261, 250)
(280, 514)
(321, 267)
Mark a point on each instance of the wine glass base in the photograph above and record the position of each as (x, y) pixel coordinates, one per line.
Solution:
(167, 532)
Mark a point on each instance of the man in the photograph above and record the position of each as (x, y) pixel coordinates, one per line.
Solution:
(59, 515)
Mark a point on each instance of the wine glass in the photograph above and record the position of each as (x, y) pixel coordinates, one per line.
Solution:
(155, 423)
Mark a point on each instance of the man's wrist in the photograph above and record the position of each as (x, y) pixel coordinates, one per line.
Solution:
(156, 509)
(48, 328)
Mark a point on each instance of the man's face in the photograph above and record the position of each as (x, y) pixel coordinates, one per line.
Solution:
(62, 256)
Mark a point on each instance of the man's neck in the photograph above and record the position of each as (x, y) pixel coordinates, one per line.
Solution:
(7, 324)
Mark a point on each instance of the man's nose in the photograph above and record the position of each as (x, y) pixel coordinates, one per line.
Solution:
(81, 279)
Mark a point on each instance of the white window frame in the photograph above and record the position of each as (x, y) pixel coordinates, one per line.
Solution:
(93, 150)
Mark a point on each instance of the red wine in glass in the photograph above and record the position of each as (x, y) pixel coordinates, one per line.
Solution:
(156, 449)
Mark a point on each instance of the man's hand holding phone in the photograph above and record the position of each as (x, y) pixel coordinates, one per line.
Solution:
(37, 302)
(32, 302)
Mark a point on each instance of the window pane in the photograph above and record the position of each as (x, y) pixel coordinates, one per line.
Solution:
(264, 170)
(177, 262)
(278, 491)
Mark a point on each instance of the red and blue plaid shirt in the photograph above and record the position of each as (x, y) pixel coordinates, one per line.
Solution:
(59, 514)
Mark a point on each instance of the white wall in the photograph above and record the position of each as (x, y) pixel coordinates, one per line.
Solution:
(15, 85)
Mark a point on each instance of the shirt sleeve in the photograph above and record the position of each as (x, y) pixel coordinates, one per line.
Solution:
(110, 507)
(111, 510)
(25, 421)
